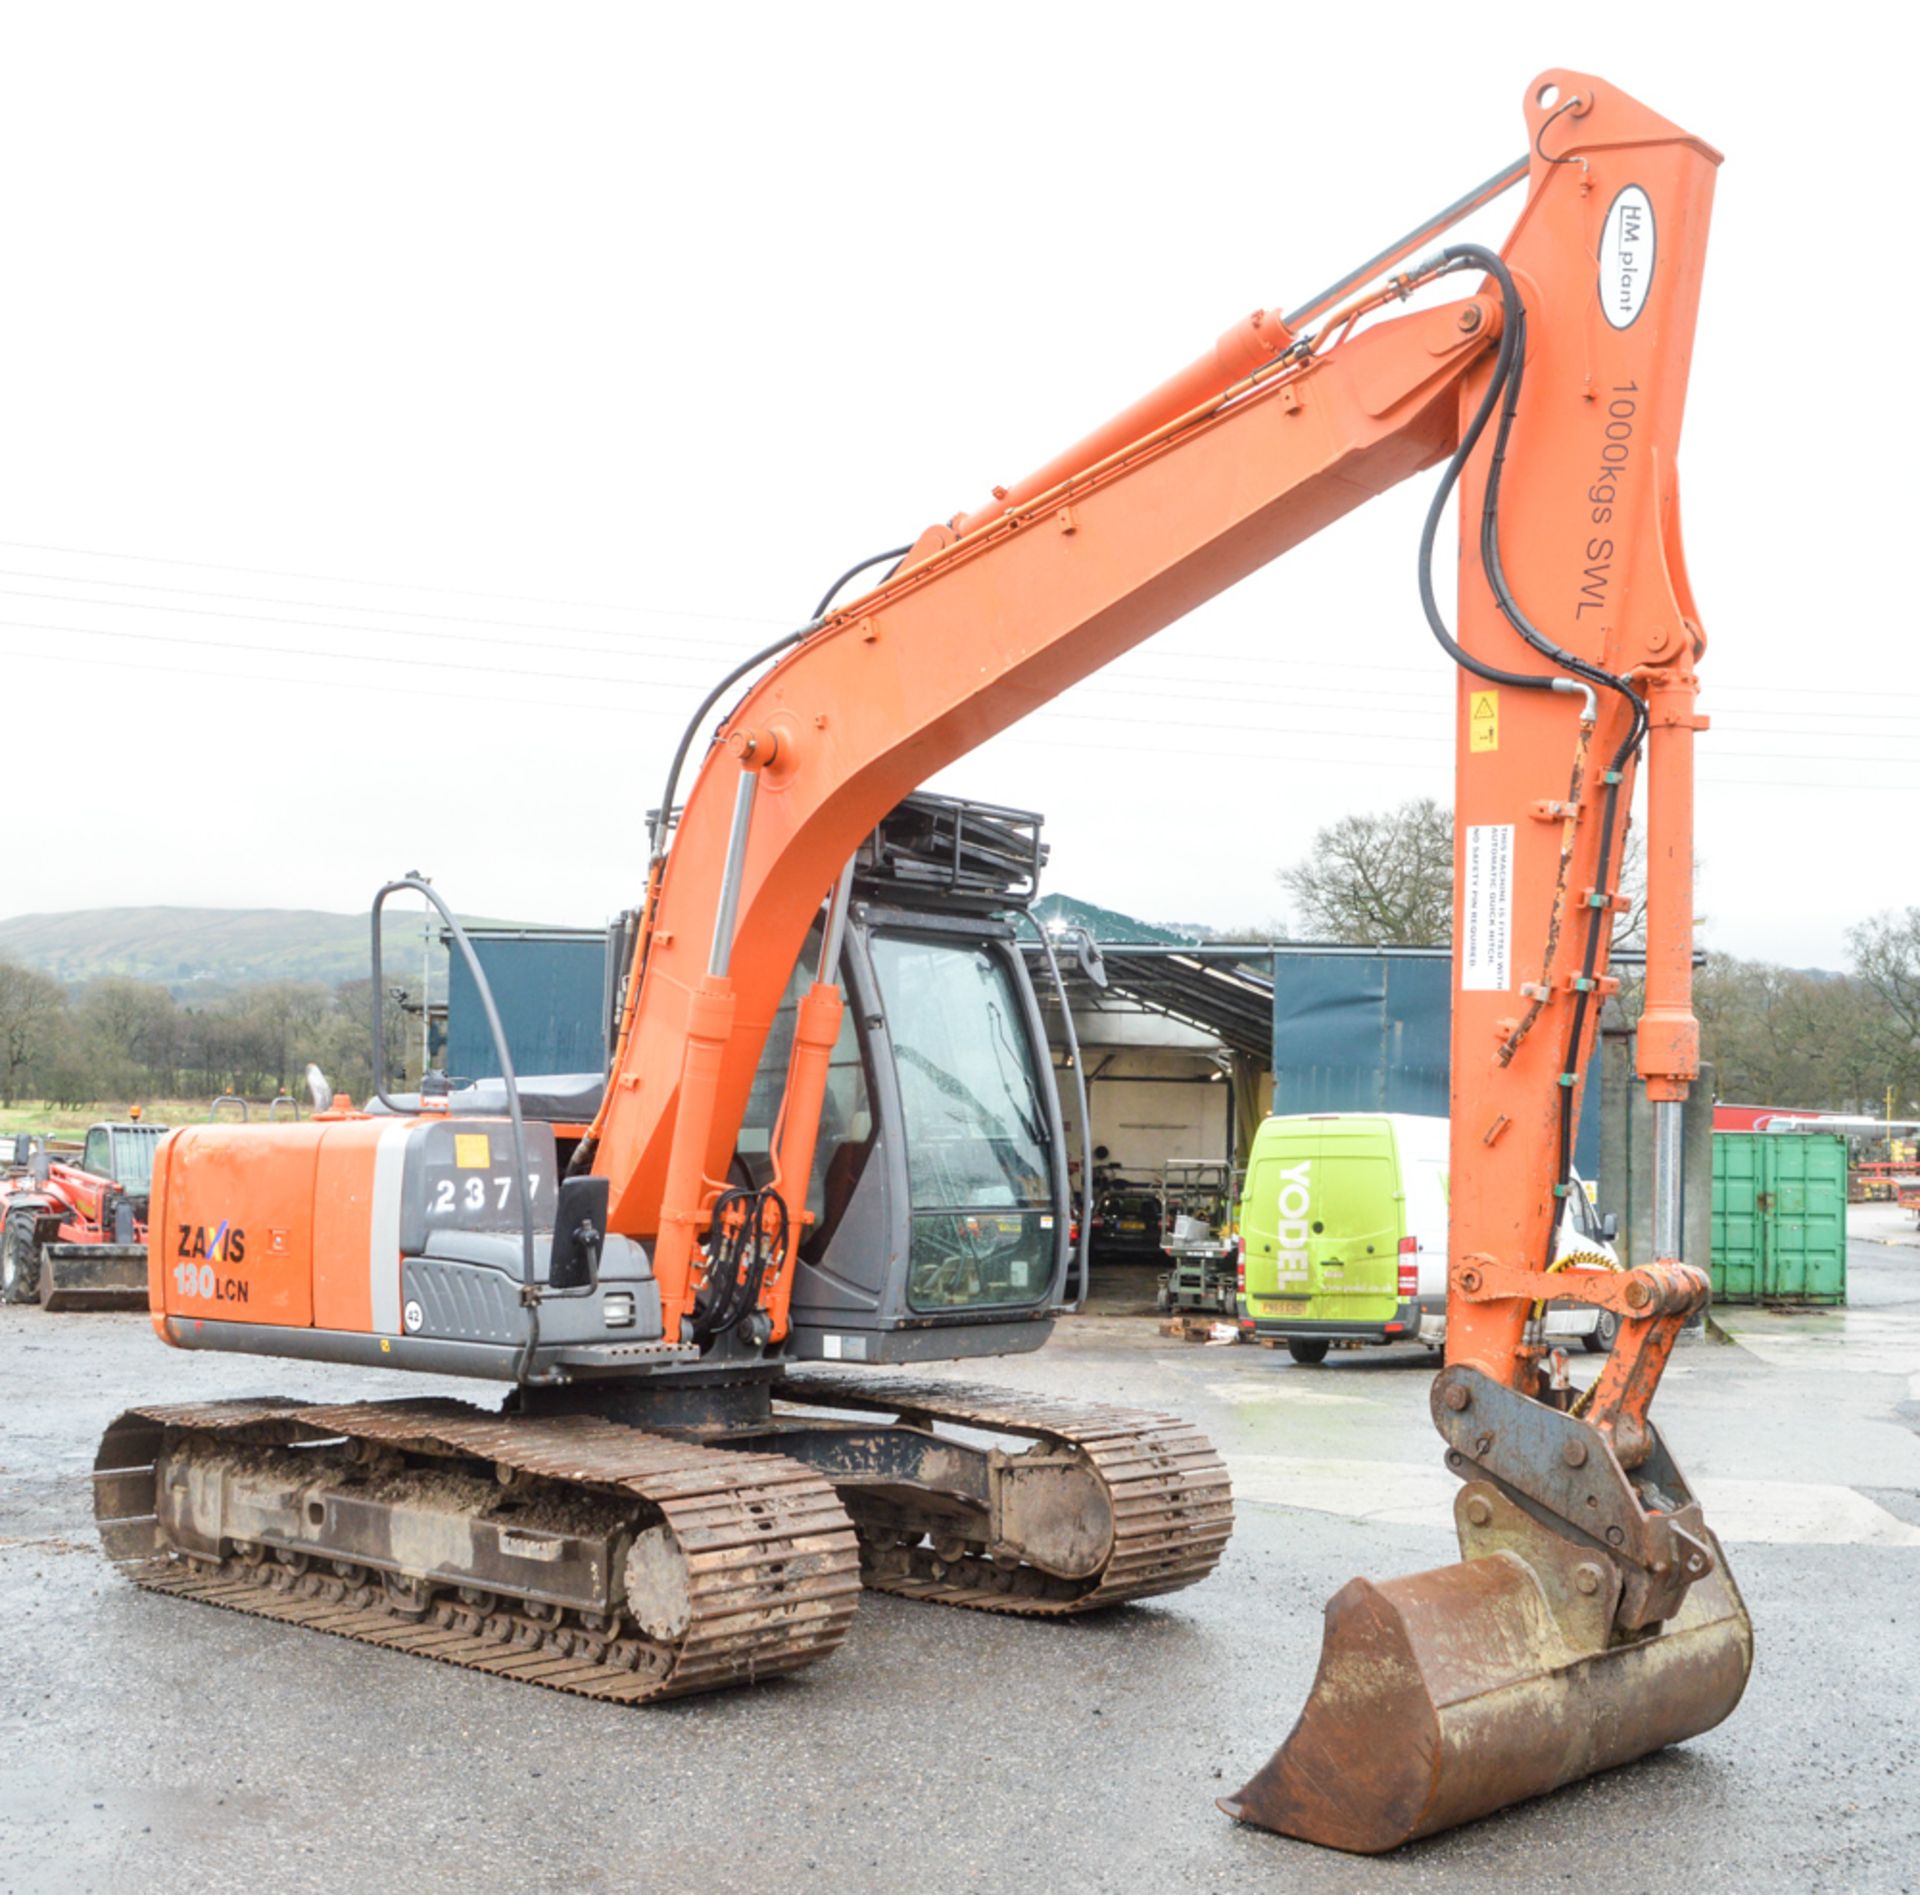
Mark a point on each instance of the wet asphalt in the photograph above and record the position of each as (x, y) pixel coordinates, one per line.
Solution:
(149, 1743)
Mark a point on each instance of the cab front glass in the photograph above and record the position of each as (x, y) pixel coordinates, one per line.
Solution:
(979, 1151)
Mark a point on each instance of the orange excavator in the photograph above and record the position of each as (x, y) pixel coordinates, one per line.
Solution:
(688, 1282)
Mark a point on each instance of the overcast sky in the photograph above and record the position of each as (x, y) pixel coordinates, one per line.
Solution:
(410, 409)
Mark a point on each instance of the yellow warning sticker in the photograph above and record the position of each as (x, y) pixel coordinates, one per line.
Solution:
(1483, 721)
(471, 1152)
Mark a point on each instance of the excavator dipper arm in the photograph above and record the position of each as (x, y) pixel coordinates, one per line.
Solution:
(1593, 1619)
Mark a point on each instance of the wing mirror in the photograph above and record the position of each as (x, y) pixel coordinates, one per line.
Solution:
(1610, 1227)
(579, 1232)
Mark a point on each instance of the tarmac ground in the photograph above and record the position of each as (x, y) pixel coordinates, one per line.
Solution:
(148, 1743)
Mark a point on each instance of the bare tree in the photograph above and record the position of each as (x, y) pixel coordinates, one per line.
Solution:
(1379, 878)
(1388, 878)
(31, 1008)
(1886, 955)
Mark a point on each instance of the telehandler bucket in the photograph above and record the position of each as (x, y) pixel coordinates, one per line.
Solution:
(94, 1276)
(1446, 1695)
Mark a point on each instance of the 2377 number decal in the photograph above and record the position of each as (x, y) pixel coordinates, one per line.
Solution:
(452, 1196)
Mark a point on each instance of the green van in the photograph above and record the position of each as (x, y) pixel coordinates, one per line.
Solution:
(1343, 1235)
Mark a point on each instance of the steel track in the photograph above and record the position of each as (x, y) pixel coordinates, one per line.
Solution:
(1171, 1500)
(771, 1554)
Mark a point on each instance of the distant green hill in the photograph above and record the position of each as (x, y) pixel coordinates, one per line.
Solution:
(1109, 924)
(203, 950)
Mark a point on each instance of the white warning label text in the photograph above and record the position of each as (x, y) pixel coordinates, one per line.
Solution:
(1486, 952)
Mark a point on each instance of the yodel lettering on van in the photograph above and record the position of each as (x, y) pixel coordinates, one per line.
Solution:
(1292, 1263)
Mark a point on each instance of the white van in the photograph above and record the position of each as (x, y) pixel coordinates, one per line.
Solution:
(1343, 1236)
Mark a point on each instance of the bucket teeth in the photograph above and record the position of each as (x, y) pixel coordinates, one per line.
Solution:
(1447, 1695)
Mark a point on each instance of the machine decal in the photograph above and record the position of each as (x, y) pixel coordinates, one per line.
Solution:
(1486, 948)
(224, 1243)
(1483, 721)
(472, 1151)
(1626, 257)
(1292, 1263)
(198, 1282)
(383, 1247)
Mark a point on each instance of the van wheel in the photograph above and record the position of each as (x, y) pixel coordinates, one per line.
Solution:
(1599, 1340)
(1307, 1349)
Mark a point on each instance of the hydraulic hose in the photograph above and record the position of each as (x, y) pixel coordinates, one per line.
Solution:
(665, 813)
(583, 1155)
(1503, 393)
(896, 554)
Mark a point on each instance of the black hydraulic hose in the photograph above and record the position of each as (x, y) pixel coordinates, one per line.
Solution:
(854, 572)
(1475, 257)
(1430, 529)
(1503, 390)
(1598, 917)
(739, 671)
(760, 657)
(663, 817)
(1482, 194)
(737, 1263)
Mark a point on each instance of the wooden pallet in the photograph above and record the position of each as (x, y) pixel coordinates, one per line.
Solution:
(1190, 1326)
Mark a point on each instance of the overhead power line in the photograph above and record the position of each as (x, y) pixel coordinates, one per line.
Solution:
(1264, 729)
(369, 585)
(1236, 661)
(707, 648)
(345, 605)
(1369, 764)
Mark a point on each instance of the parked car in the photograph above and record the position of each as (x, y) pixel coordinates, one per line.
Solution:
(1343, 1233)
(1126, 1224)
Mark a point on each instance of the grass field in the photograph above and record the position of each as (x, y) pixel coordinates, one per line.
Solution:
(30, 1115)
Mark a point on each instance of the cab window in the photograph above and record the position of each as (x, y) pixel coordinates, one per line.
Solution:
(131, 1166)
(846, 1113)
(979, 1147)
(1586, 1221)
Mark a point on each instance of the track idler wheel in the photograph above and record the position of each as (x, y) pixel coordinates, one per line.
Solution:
(1447, 1695)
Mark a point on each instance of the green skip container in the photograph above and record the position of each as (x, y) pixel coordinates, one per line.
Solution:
(1779, 1217)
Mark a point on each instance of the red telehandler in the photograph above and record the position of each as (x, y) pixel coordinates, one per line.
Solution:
(74, 1236)
(671, 1498)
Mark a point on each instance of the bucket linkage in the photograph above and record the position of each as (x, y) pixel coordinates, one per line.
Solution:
(1591, 1620)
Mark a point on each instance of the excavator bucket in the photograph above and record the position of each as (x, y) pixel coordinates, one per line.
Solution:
(1446, 1695)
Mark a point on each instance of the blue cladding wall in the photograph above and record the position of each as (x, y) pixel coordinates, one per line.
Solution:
(550, 994)
(1368, 1033)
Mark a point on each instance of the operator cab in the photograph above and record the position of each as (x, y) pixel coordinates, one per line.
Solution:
(124, 1154)
(941, 1220)
(939, 1197)
(939, 1187)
